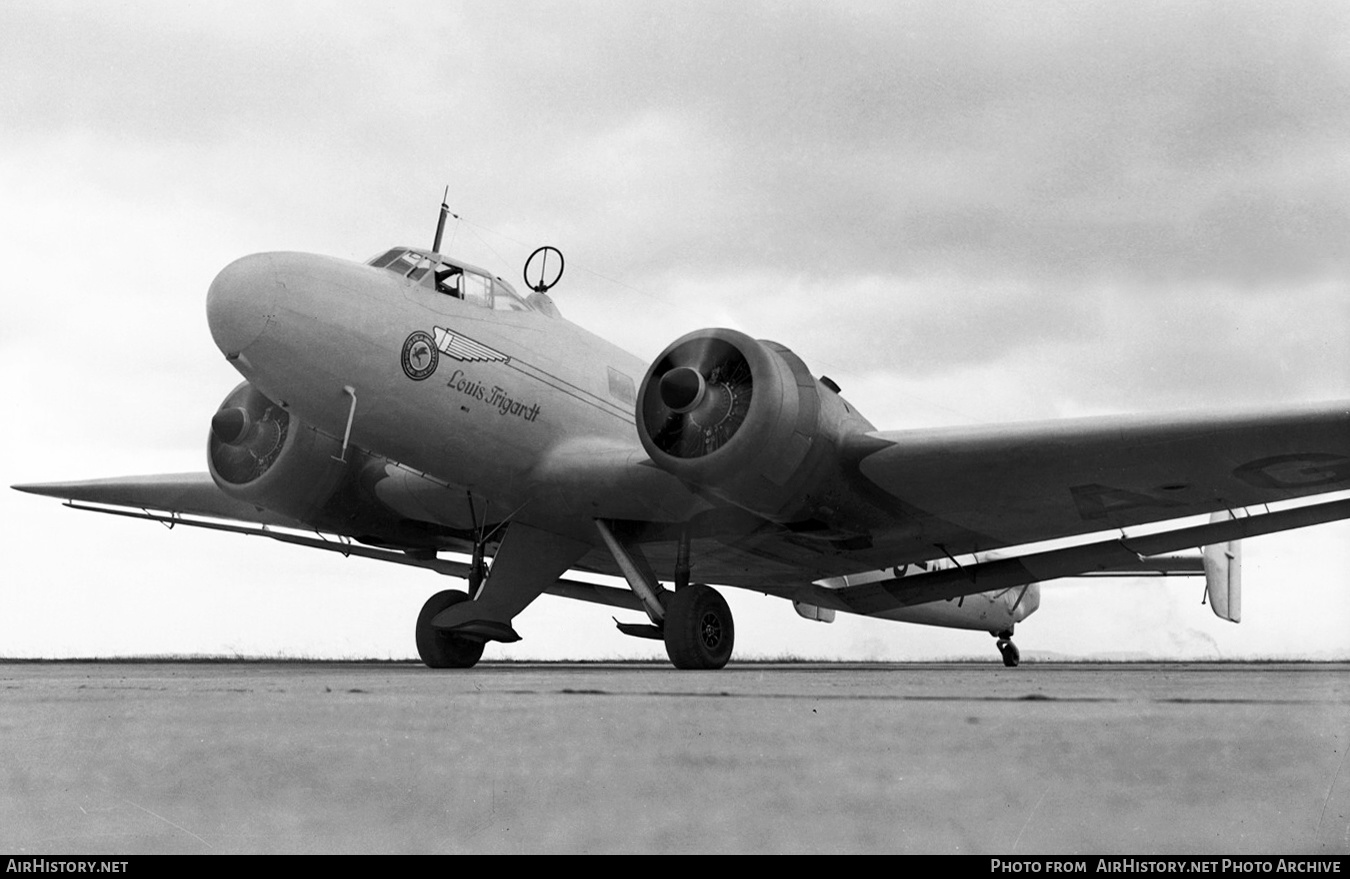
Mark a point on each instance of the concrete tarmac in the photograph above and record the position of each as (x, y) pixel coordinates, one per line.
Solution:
(1224, 759)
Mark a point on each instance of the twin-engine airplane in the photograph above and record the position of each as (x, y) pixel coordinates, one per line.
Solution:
(415, 405)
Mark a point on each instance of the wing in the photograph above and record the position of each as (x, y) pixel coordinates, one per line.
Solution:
(966, 491)
(934, 494)
(185, 497)
(971, 490)
(914, 496)
(191, 493)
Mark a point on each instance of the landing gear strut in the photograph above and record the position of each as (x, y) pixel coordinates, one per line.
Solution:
(442, 649)
(698, 629)
(1009, 651)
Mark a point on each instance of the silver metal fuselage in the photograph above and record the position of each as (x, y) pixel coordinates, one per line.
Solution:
(510, 395)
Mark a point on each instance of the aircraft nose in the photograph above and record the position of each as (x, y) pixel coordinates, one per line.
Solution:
(240, 302)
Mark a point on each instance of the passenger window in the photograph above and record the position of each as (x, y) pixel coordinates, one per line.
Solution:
(621, 386)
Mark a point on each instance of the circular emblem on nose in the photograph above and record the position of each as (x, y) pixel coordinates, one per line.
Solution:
(420, 356)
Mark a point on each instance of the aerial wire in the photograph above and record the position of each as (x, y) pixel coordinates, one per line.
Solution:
(676, 309)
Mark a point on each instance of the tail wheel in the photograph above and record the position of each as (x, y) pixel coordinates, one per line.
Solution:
(441, 649)
(699, 632)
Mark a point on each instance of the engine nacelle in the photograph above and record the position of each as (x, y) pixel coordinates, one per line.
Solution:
(984, 611)
(259, 453)
(994, 611)
(741, 419)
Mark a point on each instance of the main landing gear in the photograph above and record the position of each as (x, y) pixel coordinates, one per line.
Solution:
(694, 621)
(453, 628)
(442, 649)
(1011, 656)
(698, 629)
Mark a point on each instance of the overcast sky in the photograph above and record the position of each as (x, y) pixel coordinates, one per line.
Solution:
(961, 212)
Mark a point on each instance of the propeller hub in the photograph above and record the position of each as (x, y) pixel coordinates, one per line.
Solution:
(682, 389)
(230, 425)
(248, 433)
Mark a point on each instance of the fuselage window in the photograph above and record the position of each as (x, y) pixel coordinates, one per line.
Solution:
(621, 386)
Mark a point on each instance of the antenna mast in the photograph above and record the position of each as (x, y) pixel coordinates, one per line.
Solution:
(440, 224)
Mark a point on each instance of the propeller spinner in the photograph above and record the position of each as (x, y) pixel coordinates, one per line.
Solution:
(703, 397)
(247, 434)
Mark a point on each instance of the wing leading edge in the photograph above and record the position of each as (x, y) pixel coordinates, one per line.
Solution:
(192, 493)
(965, 490)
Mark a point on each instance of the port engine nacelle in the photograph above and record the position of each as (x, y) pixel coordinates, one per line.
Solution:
(259, 453)
(743, 420)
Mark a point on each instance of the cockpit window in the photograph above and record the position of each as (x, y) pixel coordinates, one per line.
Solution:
(386, 258)
(423, 266)
(505, 299)
(477, 289)
(448, 279)
(403, 263)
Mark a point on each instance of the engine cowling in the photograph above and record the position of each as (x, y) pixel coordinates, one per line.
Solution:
(259, 453)
(739, 418)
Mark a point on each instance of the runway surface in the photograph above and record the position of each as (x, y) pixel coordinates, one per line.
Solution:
(116, 758)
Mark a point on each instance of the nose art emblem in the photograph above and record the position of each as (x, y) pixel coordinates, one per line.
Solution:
(420, 356)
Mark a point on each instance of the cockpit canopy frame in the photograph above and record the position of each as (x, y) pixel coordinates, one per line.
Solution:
(451, 278)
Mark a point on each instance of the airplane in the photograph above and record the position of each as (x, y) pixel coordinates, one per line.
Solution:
(416, 404)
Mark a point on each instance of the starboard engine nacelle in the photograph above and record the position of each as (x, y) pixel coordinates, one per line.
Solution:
(260, 453)
(741, 419)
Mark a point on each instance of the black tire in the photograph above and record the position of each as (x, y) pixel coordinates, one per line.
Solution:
(1011, 655)
(440, 649)
(699, 632)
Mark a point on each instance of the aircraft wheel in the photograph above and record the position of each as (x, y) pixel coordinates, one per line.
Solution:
(699, 632)
(1011, 655)
(441, 649)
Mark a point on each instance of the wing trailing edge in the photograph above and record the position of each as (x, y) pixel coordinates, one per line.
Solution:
(878, 597)
(81, 496)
